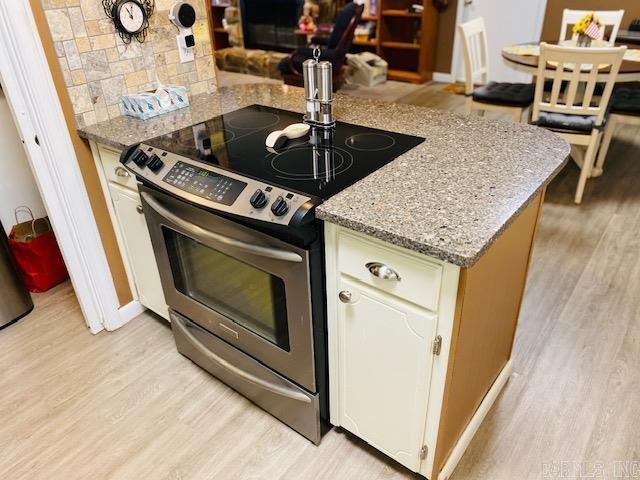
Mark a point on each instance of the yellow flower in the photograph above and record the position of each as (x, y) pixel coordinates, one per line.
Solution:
(580, 27)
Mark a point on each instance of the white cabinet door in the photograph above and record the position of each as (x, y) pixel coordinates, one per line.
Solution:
(385, 358)
(139, 250)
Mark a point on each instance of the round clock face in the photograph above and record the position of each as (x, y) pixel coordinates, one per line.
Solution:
(131, 16)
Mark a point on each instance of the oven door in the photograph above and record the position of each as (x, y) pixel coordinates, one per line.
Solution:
(248, 288)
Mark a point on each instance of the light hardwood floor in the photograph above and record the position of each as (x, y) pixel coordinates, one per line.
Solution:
(126, 405)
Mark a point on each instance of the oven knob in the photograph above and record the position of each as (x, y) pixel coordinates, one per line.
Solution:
(155, 164)
(279, 207)
(258, 199)
(140, 158)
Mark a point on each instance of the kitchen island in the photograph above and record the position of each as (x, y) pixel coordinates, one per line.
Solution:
(450, 197)
(426, 263)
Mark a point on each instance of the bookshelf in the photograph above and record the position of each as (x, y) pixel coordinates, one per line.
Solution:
(220, 35)
(406, 40)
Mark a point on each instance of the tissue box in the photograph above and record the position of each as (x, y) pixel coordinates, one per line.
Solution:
(146, 105)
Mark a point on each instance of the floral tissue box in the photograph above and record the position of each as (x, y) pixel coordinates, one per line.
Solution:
(144, 105)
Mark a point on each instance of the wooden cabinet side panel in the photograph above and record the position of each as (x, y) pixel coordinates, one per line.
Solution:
(489, 298)
(97, 152)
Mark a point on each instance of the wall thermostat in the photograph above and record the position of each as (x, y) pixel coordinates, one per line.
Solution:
(183, 16)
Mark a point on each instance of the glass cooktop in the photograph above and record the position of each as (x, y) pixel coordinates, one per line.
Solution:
(321, 163)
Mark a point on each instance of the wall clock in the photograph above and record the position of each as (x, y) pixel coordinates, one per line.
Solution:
(130, 17)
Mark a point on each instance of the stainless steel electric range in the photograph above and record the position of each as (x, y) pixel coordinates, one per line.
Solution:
(240, 252)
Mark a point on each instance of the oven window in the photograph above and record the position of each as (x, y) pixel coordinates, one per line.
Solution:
(241, 292)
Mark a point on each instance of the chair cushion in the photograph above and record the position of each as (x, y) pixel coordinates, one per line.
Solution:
(566, 123)
(627, 101)
(509, 94)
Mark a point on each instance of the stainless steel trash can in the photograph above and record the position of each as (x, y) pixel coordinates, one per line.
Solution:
(15, 300)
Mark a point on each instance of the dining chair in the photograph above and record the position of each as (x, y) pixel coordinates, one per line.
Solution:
(624, 110)
(511, 98)
(608, 18)
(574, 112)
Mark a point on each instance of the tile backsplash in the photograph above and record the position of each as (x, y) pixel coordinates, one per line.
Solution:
(98, 67)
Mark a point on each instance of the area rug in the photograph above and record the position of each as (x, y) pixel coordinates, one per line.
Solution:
(457, 88)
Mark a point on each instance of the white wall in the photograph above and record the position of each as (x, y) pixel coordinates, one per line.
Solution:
(508, 22)
(17, 185)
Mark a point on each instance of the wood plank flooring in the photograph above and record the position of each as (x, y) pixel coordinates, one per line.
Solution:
(126, 405)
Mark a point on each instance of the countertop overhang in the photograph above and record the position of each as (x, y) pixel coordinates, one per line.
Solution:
(450, 197)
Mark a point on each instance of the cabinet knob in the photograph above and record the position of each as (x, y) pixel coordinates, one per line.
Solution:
(139, 209)
(380, 270)
(345, 296)
(121, 172)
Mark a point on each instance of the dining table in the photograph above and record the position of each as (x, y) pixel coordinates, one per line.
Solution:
(524, 58)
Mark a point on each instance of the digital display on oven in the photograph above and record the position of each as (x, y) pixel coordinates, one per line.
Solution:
(205, 183)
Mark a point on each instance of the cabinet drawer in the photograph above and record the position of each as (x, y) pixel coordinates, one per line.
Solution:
(113, 169)
(418, 278)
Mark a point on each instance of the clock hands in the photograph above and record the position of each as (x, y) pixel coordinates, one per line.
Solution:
(137, 12)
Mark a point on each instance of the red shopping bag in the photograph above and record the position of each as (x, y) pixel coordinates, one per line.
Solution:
(36, 253)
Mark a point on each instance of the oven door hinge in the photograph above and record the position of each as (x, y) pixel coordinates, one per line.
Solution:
(423, 452)
(437, 345)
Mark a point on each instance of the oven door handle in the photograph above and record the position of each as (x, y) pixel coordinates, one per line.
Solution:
(278, 389)
(232, 242)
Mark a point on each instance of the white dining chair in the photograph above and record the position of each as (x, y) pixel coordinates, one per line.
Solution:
(608, 18)
(624, 110)
(510, 98)
(573, 111)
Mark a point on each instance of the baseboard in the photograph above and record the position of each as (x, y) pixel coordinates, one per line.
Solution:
(476, 421)
(127, 313)
(442, 77)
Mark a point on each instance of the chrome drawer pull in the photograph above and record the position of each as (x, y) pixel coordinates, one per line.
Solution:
(380, 270)
(139, 209)
(345, 296)
(121, 172)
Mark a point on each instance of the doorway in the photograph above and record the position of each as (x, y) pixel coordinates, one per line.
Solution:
(39, 117)
(25, 263)
(17, 185)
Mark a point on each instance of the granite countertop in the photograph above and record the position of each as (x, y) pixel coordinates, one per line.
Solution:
(449, 197)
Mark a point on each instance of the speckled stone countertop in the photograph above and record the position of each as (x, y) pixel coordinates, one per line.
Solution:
(449, 197)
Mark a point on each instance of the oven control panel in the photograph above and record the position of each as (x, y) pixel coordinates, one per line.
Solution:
(205, 183)
(215, 188)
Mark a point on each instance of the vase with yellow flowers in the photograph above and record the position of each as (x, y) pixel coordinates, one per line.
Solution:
(587, 29)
